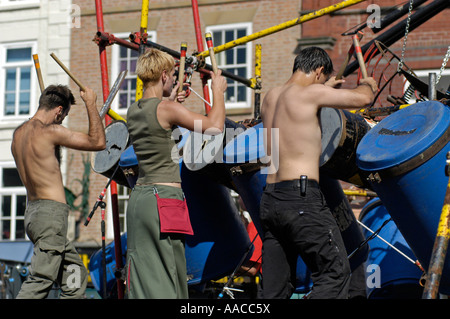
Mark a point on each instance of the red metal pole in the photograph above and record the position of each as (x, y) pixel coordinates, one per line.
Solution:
(199, 37)
(113, 185)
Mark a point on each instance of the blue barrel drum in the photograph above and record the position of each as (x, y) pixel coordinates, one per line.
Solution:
(389, 274)
(404, 158)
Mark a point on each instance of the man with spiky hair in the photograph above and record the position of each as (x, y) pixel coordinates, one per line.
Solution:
(295, 217)
(36, 150)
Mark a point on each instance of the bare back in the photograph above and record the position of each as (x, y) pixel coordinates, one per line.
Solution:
(37, 160)
(294, 126)
(290, 115)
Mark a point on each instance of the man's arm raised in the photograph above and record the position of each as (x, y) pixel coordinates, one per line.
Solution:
(94, 140)
(326, 96)
(176, 114)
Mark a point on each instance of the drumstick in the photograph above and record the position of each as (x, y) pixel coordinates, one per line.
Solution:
(82, 88)
(347, 59)
(182, 64)
(38, 72)
(211, 52)
(359, 56)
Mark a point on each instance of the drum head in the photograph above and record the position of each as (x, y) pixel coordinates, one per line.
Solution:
(116, 142)
(332, 128)
(201, 149)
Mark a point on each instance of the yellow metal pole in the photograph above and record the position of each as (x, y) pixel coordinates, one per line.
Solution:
(143, 30)
(282, 26)
(115, 116)
(258, 63)
(437, 260)
(256, 82)
(380, 111)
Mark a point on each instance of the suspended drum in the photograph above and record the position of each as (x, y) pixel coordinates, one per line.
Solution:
(129, 165)
(243, 156)
(389, 275)
(203, 153)
(342, 131)
(404, 158)
(106, 162)
(220, 239)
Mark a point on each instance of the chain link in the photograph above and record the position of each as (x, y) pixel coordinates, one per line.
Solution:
(400, 63)
(444, 63)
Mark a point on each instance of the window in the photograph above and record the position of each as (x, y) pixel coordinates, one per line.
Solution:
(13, 201)
(123, 195)
(18, 2)
(125, 59)
(237, 60)
(16, 92)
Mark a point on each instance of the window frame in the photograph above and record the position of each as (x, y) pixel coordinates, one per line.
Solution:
(236, 107)
(20, 5)
(115, 67)
(4, 47)
(13, 192)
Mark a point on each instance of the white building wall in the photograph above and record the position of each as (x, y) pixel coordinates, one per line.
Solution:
(48, 23)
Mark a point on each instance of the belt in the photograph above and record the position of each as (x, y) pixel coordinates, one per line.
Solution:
(293, 184)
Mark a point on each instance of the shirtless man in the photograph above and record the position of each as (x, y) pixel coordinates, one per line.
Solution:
(295, 218)
(35, 147)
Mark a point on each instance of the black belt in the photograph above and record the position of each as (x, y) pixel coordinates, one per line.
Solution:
(293, 184)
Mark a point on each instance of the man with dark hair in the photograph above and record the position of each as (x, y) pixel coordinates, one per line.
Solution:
(35, 147)
(294, 215)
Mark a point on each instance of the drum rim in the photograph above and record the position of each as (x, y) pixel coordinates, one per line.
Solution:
(393, 169)
(94, 154)
(341, 138)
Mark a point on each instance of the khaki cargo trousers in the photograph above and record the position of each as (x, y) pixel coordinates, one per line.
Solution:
(55, 259)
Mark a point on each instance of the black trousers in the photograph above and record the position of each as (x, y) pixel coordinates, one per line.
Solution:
(301, 224)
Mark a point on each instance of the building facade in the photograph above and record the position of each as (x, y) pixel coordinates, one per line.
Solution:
(27, 27)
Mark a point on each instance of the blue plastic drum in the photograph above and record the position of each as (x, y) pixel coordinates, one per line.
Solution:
(398, 277)
(220, 241)
(242, 155)
(404, 158)
(96, 269)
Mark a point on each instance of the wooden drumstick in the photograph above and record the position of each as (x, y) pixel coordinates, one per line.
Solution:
(347, 59)
(37, 66)
(359, 56)
(209, 43)
(82, 88)
(182, 65)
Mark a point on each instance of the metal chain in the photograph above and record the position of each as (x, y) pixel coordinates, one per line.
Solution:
(400, 63)
(444, 63)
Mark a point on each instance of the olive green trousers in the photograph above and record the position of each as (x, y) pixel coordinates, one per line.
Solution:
(156, 262)
(55, 259)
